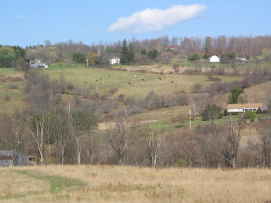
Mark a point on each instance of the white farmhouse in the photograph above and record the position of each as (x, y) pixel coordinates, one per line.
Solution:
(241, 60)
(242, 108)
(214, 59)
(114, 61)
(37, 64)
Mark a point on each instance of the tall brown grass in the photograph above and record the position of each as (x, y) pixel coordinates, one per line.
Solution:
(114, 184)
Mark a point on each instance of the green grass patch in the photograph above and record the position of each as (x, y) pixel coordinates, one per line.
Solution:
(57, 183)
(133, 84)
(19, 195)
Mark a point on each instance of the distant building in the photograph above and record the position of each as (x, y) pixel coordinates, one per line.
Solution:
(12, 158)
(214, 59)
(242, 108)
(241, 60)
(37, 64)
(114, 61)
(172, 48)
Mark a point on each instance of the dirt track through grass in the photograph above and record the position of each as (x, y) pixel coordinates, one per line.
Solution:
(54, 184)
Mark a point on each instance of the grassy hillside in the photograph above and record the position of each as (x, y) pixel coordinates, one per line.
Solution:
(127, 83)
(11, 87)
(259, 93)
(131, 83)
(101, 184)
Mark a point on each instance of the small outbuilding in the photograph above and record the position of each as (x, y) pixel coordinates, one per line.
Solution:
(12, 158)
(37, 64)
(114, 61)
(214, 59)
(242, 108)
(241, 60)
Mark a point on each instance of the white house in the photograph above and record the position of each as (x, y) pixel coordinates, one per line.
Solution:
(38, 64)
(114, 61)
(241, 60)
(214, 59)
(241, 108)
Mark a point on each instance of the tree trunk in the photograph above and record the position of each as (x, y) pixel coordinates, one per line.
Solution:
(62, 154)
(78, 150)
(39, 138)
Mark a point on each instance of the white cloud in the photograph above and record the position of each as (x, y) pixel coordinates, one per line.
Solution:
(156, 19)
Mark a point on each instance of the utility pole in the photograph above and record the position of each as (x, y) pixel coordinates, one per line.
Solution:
(190, 118)
(87, 62)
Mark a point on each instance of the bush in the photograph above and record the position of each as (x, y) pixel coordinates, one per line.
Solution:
(153, 101)
(211, 112)
(197, 88)
(13, 86)
(181, 163)
(7, 98)
(235, 93)
(7, 57)
(194, 57)
(79, 58)
(250, 115)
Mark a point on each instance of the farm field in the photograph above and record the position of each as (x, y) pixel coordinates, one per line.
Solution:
(102, 80)
(11, 90)
(132, 83)
(102, 184)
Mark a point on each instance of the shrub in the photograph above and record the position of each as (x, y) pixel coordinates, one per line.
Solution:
(235, 93)
(211, 112)
(13, 86)
(7, 57)
(79, 58)
(250, 115)
(7, 98)
(213, 78)
(197, 88)
(194, 57)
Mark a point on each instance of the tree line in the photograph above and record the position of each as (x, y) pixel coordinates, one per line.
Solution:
(59, 126)
(161, 50)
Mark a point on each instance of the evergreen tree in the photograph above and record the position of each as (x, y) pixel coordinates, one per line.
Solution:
(235, 93)
(124, 59)
(131, 54)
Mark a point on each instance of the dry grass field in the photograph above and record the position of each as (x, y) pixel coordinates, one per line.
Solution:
(11, 85)
(115, 184)
(257, 93)
(132, 83)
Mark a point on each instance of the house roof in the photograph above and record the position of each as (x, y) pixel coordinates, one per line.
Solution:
(214, 56)
(6, 155)
(245, 106)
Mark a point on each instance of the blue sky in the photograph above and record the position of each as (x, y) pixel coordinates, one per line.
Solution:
(30, 22)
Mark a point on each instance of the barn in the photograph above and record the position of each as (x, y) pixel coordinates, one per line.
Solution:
(214, 59)
(12, 158)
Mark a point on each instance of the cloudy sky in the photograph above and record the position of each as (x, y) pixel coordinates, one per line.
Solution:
(31, 22)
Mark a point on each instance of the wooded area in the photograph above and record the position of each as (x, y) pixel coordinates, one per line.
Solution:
(59, 126)
(163, 50)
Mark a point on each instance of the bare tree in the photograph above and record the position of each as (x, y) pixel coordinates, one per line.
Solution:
(232, 142)
(118, 140)
(153, 142)
(265, 139)
(39, 125)
(82, 120)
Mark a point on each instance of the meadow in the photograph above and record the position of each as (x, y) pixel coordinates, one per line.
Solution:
(131, 84)
(134, 84)
(102, 184)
